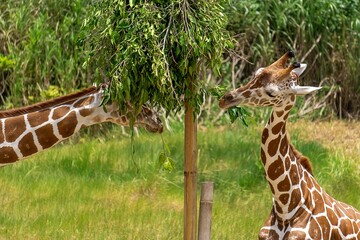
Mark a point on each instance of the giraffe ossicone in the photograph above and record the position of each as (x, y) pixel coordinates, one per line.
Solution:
(29, 130)
(301, 208)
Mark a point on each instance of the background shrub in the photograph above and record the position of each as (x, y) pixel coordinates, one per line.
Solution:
(43, 44)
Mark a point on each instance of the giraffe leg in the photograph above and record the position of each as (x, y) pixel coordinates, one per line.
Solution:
(298, 235)
(268, 232)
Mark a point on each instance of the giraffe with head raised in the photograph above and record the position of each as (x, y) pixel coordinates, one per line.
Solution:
(29, 130)
(301, 209)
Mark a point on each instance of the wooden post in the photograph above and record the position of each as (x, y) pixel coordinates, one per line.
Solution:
(205, 215)
(190, 173)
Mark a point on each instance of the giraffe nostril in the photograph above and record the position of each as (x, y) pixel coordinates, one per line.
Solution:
(224, 101)
(228, 97)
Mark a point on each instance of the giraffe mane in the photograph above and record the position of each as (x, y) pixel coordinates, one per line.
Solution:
(304, 161)
(46, 104)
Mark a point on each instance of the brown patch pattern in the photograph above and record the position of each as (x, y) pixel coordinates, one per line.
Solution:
(314, 231)
(246, 94)
(86, 112)
(276, 129)
(37, 118)
(2, 137)
(274, 146)
(60, 112)
(325, 227)
(284, 198)
(67, 126)
(276, 169)
(294, 199)
(46, 136)
(27, 145)
(8, 155)
(284, 185)
(84, 102)
(14, 127)
(265, 136)
(284, 146)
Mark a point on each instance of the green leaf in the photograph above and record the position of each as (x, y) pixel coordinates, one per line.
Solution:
(162, 158)
(169, 164)
(238, 113)
(217, 91)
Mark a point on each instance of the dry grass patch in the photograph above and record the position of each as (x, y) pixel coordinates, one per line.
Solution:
(335, 135)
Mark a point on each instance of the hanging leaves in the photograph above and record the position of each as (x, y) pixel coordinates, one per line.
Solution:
(154, 48)
(233, 112)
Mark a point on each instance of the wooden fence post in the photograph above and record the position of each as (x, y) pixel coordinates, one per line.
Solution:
(205, 215)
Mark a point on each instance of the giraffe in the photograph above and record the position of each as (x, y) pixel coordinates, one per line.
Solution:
(301, 209)
(31, 129)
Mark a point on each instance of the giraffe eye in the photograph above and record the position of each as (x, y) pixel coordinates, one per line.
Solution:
(269, 94)
(147, 111)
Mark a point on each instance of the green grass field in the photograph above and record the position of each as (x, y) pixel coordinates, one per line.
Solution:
(91, 188)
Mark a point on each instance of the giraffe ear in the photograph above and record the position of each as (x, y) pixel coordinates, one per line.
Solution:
(303, 90)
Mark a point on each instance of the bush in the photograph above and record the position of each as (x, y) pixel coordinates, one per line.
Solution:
(43, 44)
(325, 34)
(41, 37)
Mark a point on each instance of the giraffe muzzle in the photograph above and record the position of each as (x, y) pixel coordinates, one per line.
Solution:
(225, 100)
(156, 129)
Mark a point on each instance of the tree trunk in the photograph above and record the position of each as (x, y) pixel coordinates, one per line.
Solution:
(190, 173)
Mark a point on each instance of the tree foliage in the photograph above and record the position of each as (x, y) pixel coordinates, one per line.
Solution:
(152, 50)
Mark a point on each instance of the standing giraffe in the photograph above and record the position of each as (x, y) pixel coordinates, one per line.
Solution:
(28, 130)
(301, 209)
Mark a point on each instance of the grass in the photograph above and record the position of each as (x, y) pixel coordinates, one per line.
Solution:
(95, 189)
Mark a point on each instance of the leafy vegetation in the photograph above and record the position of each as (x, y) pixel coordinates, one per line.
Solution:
(156, 48)
(40, 39)
(44, 43)
(325, 34)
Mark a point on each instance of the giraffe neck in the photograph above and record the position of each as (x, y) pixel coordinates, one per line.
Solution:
(26, 131)
(284, 170)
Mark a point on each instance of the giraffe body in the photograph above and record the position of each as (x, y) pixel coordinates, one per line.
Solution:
(315, 215)
(26, 131)
(301, 209)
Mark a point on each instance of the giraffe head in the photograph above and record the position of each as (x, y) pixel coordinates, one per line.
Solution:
(150, 120)
(111, 112)
(147, 118)
(275, 85)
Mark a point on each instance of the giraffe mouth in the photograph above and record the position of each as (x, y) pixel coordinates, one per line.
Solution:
(155, 129)
(228, 100)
